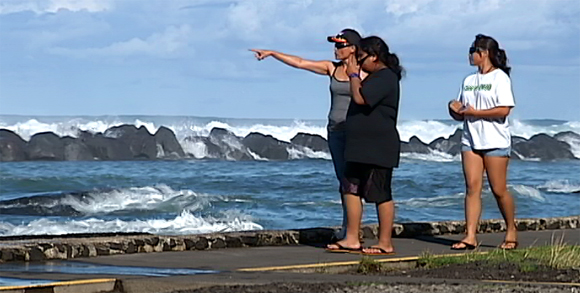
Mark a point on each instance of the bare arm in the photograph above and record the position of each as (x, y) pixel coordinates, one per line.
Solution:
(319, 67)
(352, 69)
(355, 86)
(497, 112)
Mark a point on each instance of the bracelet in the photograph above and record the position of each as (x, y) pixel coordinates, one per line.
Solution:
(353, 75)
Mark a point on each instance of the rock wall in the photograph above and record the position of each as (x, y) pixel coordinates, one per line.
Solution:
(39, 248)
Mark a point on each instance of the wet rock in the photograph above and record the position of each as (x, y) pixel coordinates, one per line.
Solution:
(76, 150)
(415, 145)
(35, 254)
(202, 244)
(314, 142)
(106, 148)
(218, 243)
(232, 242)
(543, 147)
(451, 145)
(12, 147)
(230, 146)
(165, 138)
(141, 143)
(45, 146)
(266, 146)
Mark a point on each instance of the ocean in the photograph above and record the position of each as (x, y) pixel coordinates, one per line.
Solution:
(202, 194)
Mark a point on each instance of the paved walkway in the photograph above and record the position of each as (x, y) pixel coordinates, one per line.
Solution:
(259, 264)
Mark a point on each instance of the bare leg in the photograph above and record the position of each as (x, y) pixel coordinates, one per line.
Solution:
(354, 214)
(497, 175)
(473, 172)
(386, 215)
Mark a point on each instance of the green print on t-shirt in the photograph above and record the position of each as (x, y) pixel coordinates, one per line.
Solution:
(481, 87)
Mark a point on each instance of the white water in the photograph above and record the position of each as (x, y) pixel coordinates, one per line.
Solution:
(155, 198)
(158, 199)
(184, 223)
(425, 130)
(560, 186)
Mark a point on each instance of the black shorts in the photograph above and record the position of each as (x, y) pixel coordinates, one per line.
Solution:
(371, 182)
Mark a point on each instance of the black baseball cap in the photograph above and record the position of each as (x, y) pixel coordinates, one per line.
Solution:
(348, 36)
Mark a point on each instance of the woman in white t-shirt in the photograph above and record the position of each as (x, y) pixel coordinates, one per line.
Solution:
(484, 102)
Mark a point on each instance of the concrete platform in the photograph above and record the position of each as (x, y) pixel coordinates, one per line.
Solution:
(264, 264)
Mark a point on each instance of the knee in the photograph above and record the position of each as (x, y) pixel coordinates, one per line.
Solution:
(500, 192)
(473, 189)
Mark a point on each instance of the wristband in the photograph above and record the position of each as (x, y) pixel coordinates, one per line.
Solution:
(353, 75)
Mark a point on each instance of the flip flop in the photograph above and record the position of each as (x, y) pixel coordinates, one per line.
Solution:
(466, 246)
(342, 249)
(505, 243)
(381, 251)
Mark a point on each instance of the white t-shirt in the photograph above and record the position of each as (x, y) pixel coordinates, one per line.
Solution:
(486, 91)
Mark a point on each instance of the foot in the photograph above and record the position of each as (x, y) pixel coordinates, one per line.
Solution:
(510, 240)
(465, 243)
(343, 246)
(379, 250)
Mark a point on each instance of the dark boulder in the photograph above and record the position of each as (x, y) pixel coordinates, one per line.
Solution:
(45, 146)
(515, 140)
(415, 145)
(76, 150)
(314, 142)
(165, 138)
(106, 148)
(12, 147)
(266, 146)
(231, 147)
(141, 143)
(200, 147)
(451, 145)
(543, 147)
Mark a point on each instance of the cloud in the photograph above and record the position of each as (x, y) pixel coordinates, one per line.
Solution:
(52, 6)
(172, 42)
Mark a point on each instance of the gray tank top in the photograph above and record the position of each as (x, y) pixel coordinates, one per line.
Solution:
(339, 102)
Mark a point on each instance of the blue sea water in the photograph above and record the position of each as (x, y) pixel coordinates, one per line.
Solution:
(200, 195)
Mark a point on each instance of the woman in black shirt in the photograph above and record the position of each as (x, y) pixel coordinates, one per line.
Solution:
(372, 142)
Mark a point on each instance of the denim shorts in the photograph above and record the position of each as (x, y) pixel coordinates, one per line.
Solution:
(498, 152)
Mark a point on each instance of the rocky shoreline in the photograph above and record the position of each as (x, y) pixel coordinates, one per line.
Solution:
(127, 142)
(40, 248)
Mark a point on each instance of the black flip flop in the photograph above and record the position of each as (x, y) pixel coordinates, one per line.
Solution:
(381, 251)
(505, 243)
(342, 249)
(466, 246)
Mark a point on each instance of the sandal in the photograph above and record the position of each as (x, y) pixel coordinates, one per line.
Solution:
(381, 251)
(466, 246)
(508, 245)
(342, 249)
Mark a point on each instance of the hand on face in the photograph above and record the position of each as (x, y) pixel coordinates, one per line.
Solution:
(261, 54)
(352, 65)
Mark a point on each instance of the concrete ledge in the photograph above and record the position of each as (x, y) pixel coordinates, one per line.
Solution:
(40, 248)
(78, 286)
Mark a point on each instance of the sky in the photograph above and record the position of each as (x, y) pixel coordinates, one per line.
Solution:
(178, 57)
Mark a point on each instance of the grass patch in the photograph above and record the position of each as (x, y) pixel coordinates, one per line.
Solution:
(555, 256)
(368, 265)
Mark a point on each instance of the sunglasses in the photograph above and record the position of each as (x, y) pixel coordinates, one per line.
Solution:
(341, 45)
(362, 60)
(474, 49)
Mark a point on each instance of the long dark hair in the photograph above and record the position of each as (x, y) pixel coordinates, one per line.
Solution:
(497, 56)
(375, 46)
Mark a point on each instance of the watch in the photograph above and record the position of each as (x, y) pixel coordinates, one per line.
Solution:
(353, 75)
